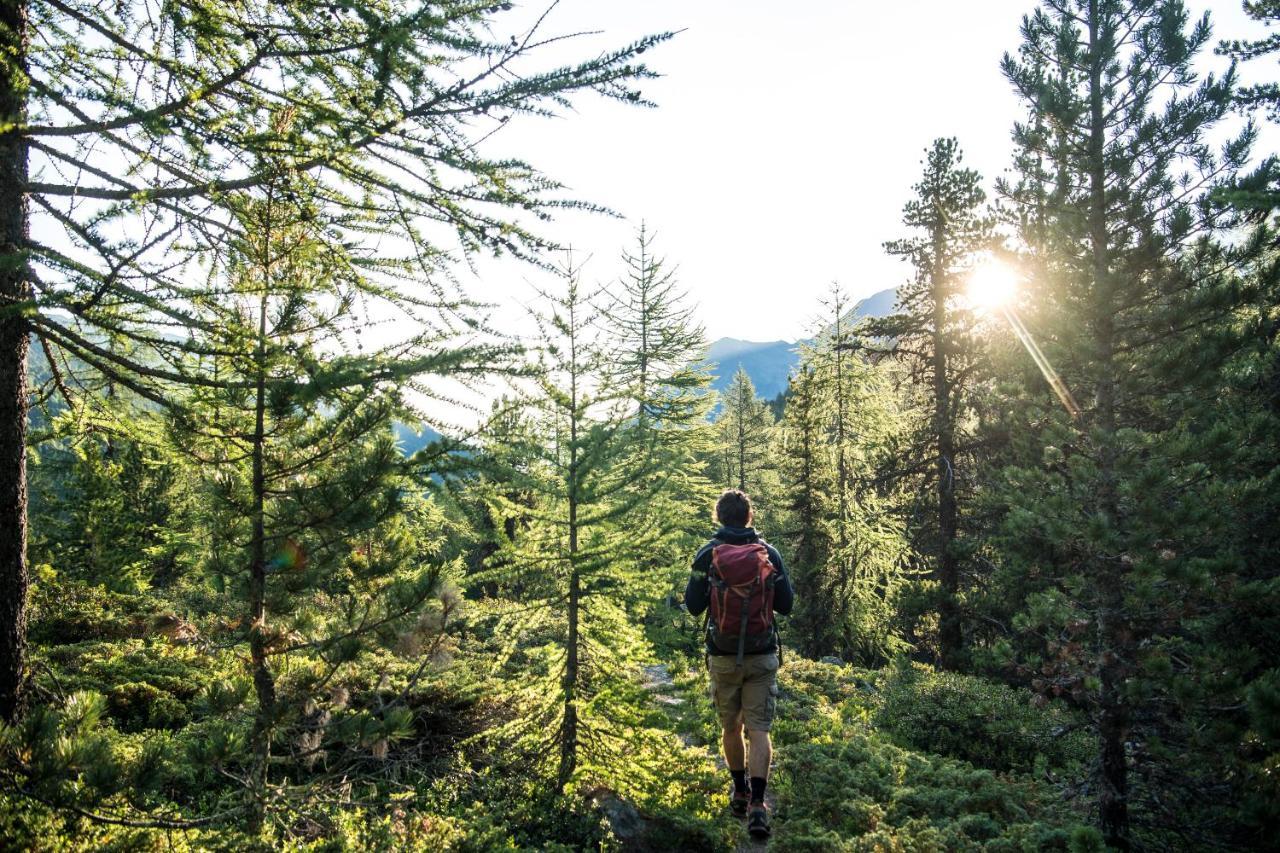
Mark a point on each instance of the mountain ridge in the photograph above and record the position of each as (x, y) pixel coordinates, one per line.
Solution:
(769, 363)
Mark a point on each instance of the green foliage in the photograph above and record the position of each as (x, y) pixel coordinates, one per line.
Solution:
(860, 793)
(843, 541)
(657, 351)
(136, 706)
(987, 724)
(65, 612)
(744, 432)
(843, 785)
(244, 628)
(107, 502)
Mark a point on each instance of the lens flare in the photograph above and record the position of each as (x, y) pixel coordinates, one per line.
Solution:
(992, 285)
(290, 557)
(1046, 369)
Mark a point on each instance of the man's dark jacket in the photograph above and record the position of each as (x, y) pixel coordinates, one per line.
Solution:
(697, 594)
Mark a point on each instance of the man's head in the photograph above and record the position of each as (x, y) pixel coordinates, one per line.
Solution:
(734, 509)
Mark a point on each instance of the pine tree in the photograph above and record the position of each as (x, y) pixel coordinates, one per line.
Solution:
(1263, 96)
(1259, 192)
(932, 335)
(1113, 202)
(385, 102)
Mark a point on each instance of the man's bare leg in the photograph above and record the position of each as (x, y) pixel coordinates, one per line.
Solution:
(735, 751)
(761, 754)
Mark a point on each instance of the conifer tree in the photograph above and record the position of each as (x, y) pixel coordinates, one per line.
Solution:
(744, 427)
(1263, 96)
(1258, 192)
(808, 486)
(832, 442)
(107, 503)
(658, 364)
(569, 632)
(1113, 200)
(932, 335)
(304, 485)
(386, 100)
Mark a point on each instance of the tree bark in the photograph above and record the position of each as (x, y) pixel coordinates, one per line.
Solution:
(950, 636)
(263, 683)
(569, 683)
(15, 295)
(1113, 707)
(842, 464)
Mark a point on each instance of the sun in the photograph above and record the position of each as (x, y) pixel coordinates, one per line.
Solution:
(992, 285)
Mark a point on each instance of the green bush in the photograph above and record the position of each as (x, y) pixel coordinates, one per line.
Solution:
(861, 793)
(988, 724)
(65, 612)
(135, 706)
(180, 671)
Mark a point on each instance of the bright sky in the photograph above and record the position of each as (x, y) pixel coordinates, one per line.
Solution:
(784, 143)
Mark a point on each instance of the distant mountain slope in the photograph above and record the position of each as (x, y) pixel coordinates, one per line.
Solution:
(769, 363)
(879, 304)
(411, 440)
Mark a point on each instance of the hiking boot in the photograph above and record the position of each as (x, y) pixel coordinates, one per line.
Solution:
(738, 801)
(758, 821)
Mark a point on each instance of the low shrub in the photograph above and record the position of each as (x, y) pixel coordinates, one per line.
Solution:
(135, 706)
(66, 611)
(988, 724)
(858, 792)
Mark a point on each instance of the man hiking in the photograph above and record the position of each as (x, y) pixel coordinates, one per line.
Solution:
(740, 579)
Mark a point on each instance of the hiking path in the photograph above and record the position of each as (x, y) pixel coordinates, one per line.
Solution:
(658, 681)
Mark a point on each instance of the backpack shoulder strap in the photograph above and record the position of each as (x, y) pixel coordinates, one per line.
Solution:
(706, 614)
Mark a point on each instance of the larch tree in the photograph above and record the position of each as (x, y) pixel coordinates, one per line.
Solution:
(568, 631)
(127, 128)
(304, 487)
(744, 428)
(1103, 511)
(658, 364)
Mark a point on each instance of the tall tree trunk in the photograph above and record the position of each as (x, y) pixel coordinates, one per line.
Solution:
(569, 683)
(263, 683)
(950, 636)
(15, 293)
(842, 463)
(1113, 710)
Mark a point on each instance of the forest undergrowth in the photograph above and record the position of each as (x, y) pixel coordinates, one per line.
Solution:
(899, 758)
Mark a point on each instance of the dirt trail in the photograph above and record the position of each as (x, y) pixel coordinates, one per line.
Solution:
(658, 681)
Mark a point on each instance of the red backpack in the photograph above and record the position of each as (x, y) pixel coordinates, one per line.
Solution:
(740, 618)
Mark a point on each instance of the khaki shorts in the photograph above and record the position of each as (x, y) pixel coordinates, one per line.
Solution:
(748, 692)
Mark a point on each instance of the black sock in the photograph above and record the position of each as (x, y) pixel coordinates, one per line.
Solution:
(757, 789)
(739, 780)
